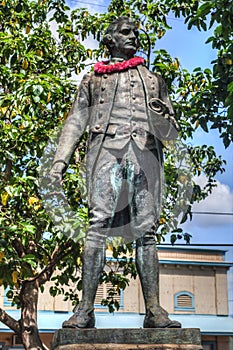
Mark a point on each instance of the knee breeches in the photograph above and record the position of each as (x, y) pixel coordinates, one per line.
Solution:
(125, 199)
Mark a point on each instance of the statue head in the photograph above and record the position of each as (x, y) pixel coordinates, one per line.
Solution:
(121, 38)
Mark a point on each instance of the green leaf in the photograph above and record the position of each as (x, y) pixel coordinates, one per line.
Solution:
(28, 228)
(173, 239)
(187, 237)
(203, 123)
(230, 87)
(204, 9)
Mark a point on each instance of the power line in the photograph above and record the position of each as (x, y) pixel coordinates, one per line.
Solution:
(105, 6)
(210, 213)
(197, 244)
(87, 3)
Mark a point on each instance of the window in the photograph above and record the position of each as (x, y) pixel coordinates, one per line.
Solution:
(16, 340)
(102, 293)
(209, 345)
(184, 301)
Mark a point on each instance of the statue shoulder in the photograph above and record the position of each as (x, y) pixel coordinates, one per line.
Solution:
(145, 71)
(87, 77)
(85, 81)
(159, 78)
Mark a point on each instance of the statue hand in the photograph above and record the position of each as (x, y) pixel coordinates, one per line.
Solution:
(56, 173)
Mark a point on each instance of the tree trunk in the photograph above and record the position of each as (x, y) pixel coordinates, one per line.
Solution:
(29, 328)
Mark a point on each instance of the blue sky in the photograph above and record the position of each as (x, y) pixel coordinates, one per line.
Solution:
(190, 48)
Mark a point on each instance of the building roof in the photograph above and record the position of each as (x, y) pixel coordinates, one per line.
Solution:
(197, 263)
(49, 321)
(190, 248)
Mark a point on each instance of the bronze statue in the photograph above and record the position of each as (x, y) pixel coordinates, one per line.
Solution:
(128, 113)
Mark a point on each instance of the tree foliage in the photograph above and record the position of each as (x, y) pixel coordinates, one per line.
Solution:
(40, 51)
(36, 92)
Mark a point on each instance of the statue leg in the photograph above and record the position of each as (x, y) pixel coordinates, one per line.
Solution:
(101, 212)
(93, 264)
(148, 270)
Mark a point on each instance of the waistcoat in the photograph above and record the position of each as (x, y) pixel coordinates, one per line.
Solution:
(129, 119)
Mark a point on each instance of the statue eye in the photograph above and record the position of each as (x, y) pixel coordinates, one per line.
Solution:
(125, 31)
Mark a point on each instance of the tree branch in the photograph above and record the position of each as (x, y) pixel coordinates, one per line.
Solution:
(9, 321)
(7, 172)
(57, 255)
(149, 47)
(18, 246)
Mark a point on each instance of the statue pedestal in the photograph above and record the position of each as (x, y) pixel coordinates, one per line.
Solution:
(127, 339)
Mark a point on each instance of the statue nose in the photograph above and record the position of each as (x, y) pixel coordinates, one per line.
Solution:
(132, 35)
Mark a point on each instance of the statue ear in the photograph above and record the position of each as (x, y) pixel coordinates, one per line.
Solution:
(107, 40)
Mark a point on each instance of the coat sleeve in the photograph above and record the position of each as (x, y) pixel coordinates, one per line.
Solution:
(75, 124)
(166, 99)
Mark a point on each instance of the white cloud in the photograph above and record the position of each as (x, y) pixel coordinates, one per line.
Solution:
(219, 201)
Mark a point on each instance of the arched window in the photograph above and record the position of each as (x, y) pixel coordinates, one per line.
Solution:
(184, 301)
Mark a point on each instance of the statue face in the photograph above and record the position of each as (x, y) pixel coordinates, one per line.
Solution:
(125, 40)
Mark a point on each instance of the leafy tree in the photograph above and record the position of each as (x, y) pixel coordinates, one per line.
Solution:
(36, 92)
(37, 86)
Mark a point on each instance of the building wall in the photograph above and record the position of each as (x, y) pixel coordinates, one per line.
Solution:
(207, 285)
(222, 343)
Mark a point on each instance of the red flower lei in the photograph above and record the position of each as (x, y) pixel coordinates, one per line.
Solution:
(105, 67)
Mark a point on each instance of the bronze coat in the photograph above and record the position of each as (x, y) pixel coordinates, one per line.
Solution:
(92, 109)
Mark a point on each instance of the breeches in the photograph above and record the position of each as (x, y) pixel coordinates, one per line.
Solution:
(125, 196)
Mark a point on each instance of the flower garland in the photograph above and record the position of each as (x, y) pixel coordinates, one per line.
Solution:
(105, 67)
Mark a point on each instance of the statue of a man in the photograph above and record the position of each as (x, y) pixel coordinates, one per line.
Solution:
(127, 111)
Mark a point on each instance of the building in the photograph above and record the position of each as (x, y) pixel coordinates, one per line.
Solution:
(193, 289)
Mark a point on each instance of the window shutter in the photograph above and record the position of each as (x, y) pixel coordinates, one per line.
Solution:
(184, 300)
(102, 293)
(99, 295)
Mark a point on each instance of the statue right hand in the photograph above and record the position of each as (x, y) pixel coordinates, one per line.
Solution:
(56, 173)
